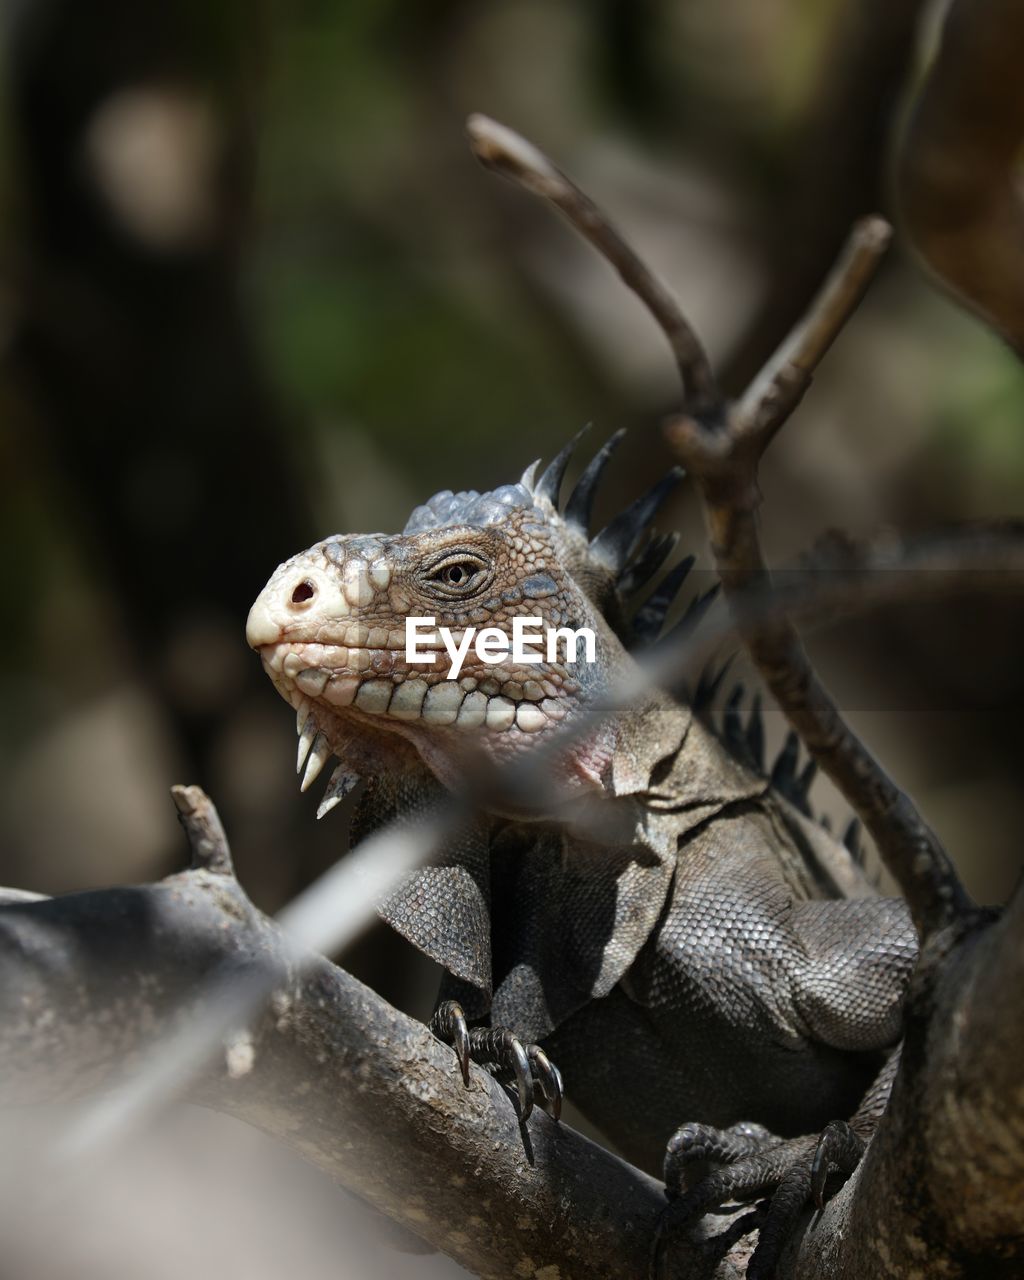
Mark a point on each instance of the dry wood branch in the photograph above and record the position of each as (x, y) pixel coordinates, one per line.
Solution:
(959, 165)
(204, 829)
(724, 460)
(722, 449)
(506, 152)
(330, 1069)
(779, 387)
(340, 1077)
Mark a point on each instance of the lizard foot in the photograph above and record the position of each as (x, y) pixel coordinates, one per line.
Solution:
(504, 1055)
(707, 1167)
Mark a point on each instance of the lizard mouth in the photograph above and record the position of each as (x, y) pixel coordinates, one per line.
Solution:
(328, 684)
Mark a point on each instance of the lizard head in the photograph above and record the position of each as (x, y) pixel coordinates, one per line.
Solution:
(333, 629)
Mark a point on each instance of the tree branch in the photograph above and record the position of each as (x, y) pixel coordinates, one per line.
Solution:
(724, 458)
(779, 387)
(340, 1077)
(722, 447)
(329, 1068)
(204, 830)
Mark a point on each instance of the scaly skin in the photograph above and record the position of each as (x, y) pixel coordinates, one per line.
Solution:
(330, 626)
(682, 940)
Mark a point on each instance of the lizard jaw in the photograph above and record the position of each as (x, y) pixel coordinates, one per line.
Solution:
(364, 717)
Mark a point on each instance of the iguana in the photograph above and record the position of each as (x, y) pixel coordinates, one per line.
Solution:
(678, 934)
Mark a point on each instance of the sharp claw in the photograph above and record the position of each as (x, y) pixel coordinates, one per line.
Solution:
(549, 1078)
(520, 1066)
(449, 1025)
(838, 1147)
(460, 1043)
(819, 1170)
(556, 1101)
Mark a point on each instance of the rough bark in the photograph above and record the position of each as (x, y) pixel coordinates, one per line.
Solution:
(365, 1093)
(92, 981)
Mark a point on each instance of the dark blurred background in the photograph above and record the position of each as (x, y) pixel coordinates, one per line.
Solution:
(254, 290)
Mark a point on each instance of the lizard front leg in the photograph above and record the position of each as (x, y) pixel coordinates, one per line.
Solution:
(504, 1054)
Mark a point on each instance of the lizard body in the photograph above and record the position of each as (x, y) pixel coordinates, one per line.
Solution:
(657, 916)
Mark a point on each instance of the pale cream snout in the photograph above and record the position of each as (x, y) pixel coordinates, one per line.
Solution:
(297, 590)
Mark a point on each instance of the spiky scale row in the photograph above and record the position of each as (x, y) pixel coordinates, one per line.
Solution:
(616, 548)
(647, 563)
(580, 505)
(616, 545)
(692, 618)
(747, 744)
(619, 539)
(708, 684)
(650, 617)
(549, 486)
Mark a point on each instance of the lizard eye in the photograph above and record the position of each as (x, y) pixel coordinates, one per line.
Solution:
(459, 575)
(456, 575)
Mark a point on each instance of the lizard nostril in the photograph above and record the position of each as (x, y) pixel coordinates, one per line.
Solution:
(304, 592)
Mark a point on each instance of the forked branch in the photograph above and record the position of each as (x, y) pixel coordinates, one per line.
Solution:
(724, 458)
(722, 446)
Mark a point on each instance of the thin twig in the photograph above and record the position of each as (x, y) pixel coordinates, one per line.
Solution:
(507, 153)
(204, 829)
(778, 388)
